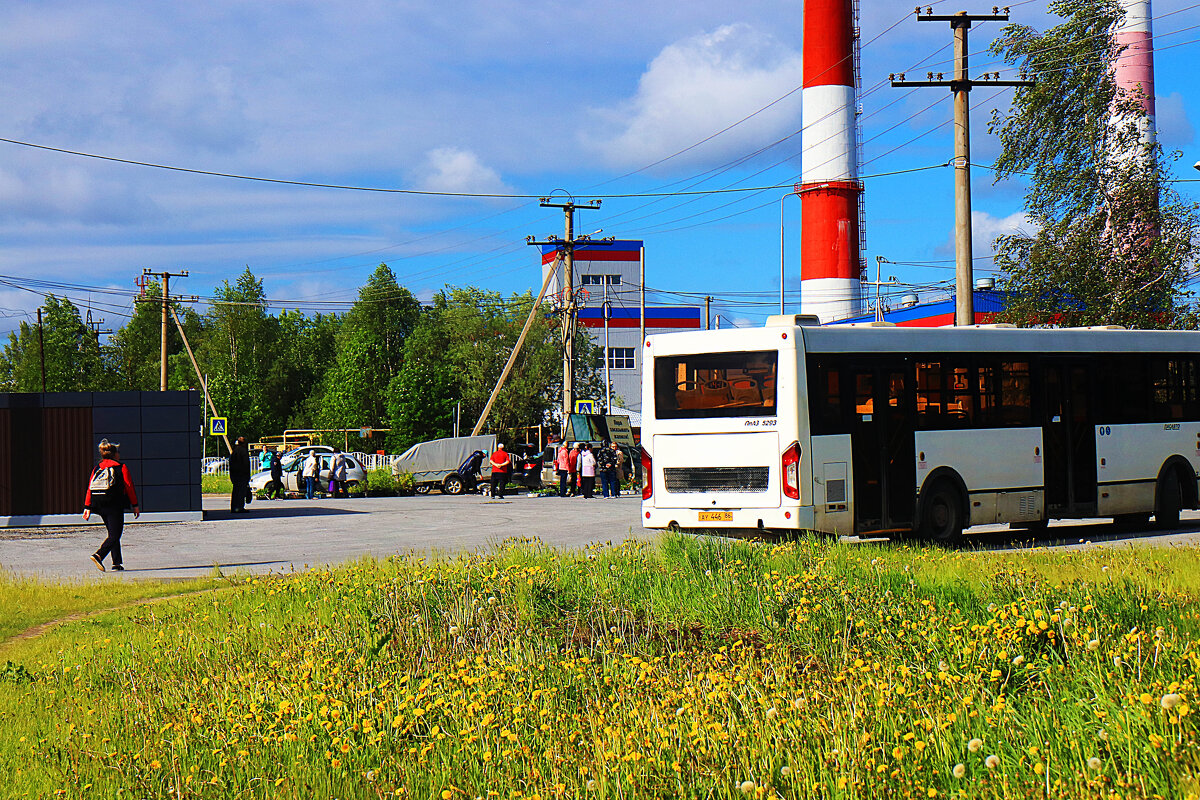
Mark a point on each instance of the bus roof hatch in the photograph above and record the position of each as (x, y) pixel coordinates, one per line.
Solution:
(792, 320)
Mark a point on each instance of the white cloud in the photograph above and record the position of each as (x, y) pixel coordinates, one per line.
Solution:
(697, 86)
(451, 169)
(985, 227)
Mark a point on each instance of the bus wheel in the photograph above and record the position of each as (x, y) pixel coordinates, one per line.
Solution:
(1168, 501)
(941, 517)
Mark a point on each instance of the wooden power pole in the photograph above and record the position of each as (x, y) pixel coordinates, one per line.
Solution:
(960, 84)
(166, 301)
(569, 309)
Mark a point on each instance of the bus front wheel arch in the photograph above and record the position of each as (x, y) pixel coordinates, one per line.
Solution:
(943, 512)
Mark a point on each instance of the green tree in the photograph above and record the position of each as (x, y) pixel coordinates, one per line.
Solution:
(236, 352)
(133, 352)
(73, 361)
(1113, 242)
(370, 353)
(457, 354)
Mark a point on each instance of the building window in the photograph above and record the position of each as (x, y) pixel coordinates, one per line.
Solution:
(600, 280)
(621, 358)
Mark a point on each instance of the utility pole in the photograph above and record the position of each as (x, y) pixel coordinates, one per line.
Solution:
(42, 349)
(166, 301)
(878, 283)
(961, 84)
(94, 326)
(707, 315)
(569, 309)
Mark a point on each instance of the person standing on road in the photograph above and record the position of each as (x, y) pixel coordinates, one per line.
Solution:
(587, 471)
(573, 469)
(337, 473)
(264, 460)
(239, 475)
(276, 491)
(562, 465)
(606, 465)
(312, 466)
(110, 492)
(501, 463)
(620, 454)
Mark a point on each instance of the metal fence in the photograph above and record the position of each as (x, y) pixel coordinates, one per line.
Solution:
(219, 465)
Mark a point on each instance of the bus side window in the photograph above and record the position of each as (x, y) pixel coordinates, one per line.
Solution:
(929, 395)
(1016, 396)
(825, 392)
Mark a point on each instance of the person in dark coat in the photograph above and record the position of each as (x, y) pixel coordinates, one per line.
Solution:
(110, 503)
(276, 492)
(239, 474)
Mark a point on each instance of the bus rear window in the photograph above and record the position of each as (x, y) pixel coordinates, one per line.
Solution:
(715, 385)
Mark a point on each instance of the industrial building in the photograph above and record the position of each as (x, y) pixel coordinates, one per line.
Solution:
(608, 276)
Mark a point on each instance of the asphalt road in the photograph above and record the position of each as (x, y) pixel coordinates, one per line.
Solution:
(282, 535)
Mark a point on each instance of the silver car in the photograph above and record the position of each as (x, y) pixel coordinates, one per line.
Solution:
(292, 482)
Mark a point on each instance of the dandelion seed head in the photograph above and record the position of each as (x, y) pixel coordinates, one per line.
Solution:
(746, 787)
(1093, 645)
(960, 770)
(1171, 700)
(1094, 764)
(992, 761)
(974, 745)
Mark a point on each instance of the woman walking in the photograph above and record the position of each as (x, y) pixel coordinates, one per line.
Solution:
(110, 492)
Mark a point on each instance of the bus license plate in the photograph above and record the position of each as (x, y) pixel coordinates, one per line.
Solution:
(716, 516)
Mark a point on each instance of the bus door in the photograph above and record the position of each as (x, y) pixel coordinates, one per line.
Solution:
(882, 433)
(1069, 438)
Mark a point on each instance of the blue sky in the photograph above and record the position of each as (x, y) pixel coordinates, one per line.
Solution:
(499, 97)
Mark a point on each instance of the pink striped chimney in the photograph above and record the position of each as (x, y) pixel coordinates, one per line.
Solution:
(829, 191)
(1134, 67)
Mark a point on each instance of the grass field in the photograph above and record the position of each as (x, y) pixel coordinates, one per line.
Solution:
(689, 668)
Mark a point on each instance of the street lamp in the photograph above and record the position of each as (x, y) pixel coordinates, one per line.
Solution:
(795, 191)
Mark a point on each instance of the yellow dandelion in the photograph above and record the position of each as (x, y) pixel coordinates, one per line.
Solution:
(1146, 699)
(1039, 768)
(446, 794)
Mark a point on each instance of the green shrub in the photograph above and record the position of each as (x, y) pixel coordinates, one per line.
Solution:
(381, 482)
(405, 485)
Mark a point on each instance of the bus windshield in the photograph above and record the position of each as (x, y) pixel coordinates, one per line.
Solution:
(715, 385)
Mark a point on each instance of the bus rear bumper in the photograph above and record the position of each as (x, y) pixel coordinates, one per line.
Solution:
(743, 520)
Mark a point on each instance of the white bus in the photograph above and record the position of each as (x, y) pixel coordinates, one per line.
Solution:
(878, 430)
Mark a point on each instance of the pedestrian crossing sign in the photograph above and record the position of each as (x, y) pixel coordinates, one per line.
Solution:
(585, 407)
(217, 426)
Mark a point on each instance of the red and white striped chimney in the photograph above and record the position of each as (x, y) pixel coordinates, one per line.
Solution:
(1133, 69)
(829, 271)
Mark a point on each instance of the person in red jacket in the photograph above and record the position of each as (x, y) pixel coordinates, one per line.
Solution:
(501, 466)
(110, 492)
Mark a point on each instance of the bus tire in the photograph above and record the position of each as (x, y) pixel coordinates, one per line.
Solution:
(941, 515)
(1168, 500)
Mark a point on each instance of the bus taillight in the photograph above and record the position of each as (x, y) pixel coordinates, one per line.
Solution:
(647, 481)
(791, 471)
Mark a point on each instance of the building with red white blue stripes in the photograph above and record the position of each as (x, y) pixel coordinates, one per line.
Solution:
(609, 276)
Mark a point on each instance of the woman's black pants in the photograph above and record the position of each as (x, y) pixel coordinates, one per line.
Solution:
(114, 521)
